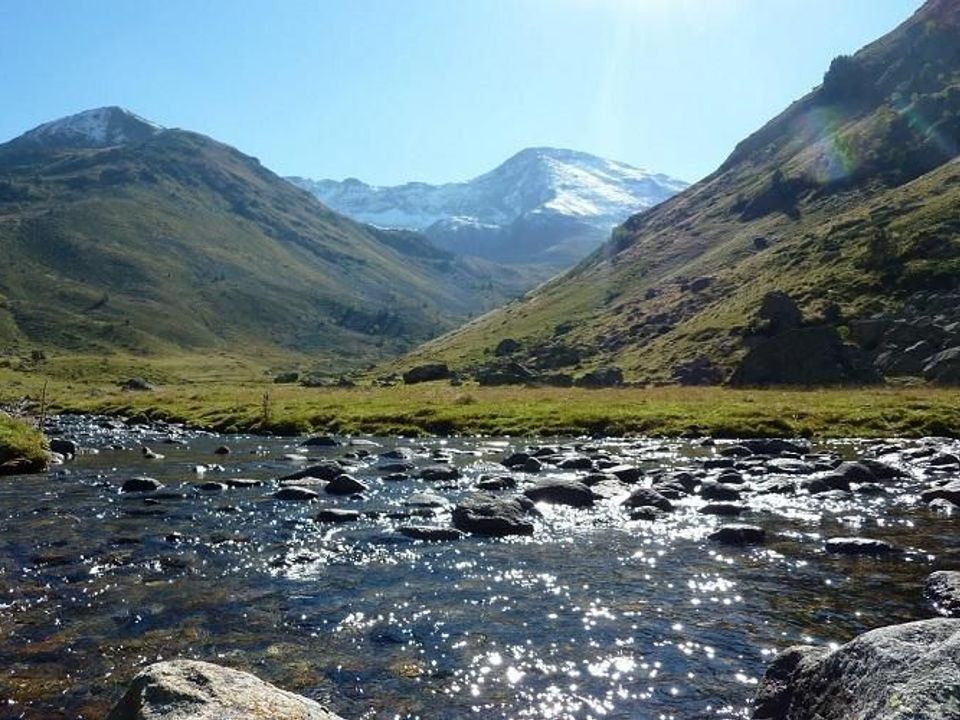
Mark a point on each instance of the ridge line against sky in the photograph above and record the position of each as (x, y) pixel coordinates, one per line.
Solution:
(431, 90)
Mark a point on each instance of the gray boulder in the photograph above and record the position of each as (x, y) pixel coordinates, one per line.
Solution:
(609, 376)
(426, 373)
(860, 546)
(900, 672)
(141, 484)
(335, 516)
(950, 492)
(561, 491)
(736, 534)
(647, 497)
(430, 533)
(192, 690)
(494, 517)
(294, 493)
(346, 485)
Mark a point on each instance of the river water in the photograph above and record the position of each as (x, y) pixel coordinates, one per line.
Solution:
(594, 616)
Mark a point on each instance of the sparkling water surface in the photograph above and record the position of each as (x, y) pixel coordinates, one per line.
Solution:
(594, 616)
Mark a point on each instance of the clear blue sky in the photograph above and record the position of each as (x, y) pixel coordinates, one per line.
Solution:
(434, 90)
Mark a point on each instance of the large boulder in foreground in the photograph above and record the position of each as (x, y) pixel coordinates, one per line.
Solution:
(193, 690)
(893, 673)
(804, 356)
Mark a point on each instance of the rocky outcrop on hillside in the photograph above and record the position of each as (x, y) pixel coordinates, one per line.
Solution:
(785, 350)
(922, 340)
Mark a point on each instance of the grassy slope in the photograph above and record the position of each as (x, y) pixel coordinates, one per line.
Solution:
(181, 243)
(850, 169)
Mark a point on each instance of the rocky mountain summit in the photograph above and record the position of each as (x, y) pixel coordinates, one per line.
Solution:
(542, 205)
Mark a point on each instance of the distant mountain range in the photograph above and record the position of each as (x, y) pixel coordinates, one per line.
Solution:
(543, 205)
(118, 234)
(847, 202)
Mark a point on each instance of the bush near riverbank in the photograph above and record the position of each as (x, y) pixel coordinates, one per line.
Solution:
(441, 409)
(22, 447)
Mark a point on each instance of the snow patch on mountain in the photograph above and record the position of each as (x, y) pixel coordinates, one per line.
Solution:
(100, 127)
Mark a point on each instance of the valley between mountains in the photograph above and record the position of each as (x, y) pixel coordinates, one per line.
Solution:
(824, 251)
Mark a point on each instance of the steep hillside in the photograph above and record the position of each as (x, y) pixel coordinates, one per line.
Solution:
(116, 234)
(543, 205)
(848, 201)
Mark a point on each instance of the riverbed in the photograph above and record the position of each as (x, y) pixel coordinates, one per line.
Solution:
(594, 615)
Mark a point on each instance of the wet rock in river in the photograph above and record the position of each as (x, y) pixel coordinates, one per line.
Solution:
(149, 454)
(737, 534)
(295, 493)
(66, 448)
(222, 450)
(141, 484)
(776, 486)
(321, 441)
(321, 471)
(860, 546)
(892, 673)
(515, 460)
(576, 462)
(949, 491)
(561, 491)
(346, 485)
(625, 473)
(494, 517)
(647, 497)
(726, 509)
(192, 690)
(532, 465)
(647, 512)
(498, 482)
(945, 460)
(436, 473)
(430, 533)
(942, 591)
(336, 515)
(395, 467)
(775, 446)
(711, 490)
(426, 499)
(790, 466)
(243, 482)
(211, 487)
(825, 483)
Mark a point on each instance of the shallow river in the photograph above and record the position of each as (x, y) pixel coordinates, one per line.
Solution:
(594, 616)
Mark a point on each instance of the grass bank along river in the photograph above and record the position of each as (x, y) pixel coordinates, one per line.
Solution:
(604, 608)
(235, 403)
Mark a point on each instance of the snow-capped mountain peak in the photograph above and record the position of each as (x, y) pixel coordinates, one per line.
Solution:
(100, 127)
(539, 180)
(536, 192)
